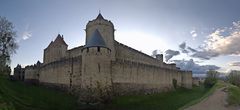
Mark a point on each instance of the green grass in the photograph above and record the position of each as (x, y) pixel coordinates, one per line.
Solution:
(16, 95)
(233, 95)
(162, 101)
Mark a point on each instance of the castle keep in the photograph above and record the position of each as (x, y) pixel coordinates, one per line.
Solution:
(104, 67)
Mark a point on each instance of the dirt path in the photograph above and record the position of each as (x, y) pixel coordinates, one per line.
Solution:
(216, 101)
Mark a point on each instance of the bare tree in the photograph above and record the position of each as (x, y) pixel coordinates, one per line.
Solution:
(8, 43)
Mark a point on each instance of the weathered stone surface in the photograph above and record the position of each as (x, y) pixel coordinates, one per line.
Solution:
(98, 73)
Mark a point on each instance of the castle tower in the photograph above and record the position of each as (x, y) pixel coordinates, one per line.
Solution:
(96, 72)
(56, 50)
(106, 29)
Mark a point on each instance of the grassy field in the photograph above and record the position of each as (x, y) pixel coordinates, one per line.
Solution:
(162, 101)
(16, 95)
(19, 96)
(233, 95)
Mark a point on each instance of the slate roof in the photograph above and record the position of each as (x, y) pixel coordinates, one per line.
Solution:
(95, 40)
(99, 16)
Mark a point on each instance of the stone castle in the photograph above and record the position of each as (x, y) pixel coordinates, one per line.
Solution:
(104, 67)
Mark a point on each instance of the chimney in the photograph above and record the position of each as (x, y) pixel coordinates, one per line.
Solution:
(159, 57)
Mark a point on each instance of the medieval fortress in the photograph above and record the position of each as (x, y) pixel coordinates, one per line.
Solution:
(104, 67)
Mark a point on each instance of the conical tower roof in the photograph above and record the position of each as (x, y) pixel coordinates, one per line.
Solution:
(95, 40)
(99, 16)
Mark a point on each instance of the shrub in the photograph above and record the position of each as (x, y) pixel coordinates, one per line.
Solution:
(174, 81)
(209, 82)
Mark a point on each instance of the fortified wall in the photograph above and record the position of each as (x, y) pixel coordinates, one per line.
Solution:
(135, 72)
(104, 67)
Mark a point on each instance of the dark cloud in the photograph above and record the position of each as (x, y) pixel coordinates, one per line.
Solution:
(204, 55)
(170, 53)
(182, 47)
(190, 65)
(191, 49)
(155, 52)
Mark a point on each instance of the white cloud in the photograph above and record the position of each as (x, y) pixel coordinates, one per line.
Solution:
(225, 44)
(193, 31)
(220, 42)
(236, 63)
(193, 34)
(191, 65)
(26, 35)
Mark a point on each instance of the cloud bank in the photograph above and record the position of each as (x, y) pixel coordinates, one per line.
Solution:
(220, 42)
(237, 63)
(190, 65)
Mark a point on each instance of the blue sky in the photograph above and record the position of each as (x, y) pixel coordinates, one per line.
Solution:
(145, 25)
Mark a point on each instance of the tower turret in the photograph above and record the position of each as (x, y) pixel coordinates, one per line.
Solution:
(105, 28)
(96, 72)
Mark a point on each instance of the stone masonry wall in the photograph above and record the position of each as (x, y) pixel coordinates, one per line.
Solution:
(187, 79)
(135, 77)
(64, 73)
(128, 53)
(75, 52)
(31, 74)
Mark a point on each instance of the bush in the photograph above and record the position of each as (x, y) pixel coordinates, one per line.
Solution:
(174, 81)
(209, 82)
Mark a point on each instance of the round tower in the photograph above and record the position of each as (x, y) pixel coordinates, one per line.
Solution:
(105, 28)
(96, 68)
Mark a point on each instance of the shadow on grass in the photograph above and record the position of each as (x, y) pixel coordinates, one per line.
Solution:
(19, 96)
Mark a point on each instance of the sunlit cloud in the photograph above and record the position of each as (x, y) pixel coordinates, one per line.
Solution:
(236, 63)
(223, 41)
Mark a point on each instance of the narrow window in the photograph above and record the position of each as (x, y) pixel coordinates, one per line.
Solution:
(98, 49)
(98, 67)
